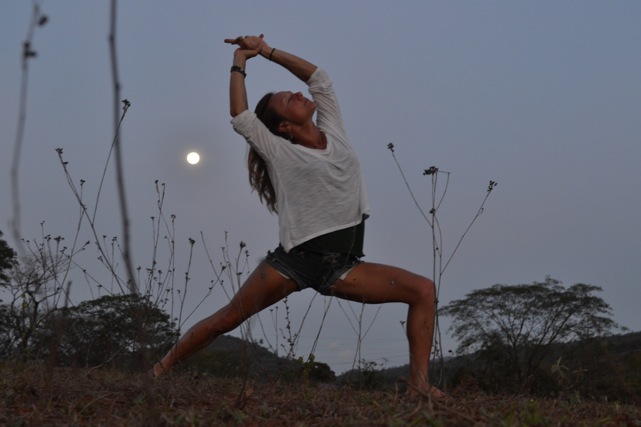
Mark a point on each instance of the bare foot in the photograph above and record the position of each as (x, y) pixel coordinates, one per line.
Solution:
(426, 392)
(157, 370)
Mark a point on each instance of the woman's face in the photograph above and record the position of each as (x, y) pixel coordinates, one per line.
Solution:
(293, 107)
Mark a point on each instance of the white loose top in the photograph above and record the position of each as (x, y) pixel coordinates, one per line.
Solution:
(317, 191)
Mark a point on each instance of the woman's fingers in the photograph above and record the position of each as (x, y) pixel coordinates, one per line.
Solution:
(238, 40)
(247, 42)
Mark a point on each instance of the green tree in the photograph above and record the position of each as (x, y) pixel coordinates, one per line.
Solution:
(7, 262)
(7, 337)
(32, 291)
(513, 327)
(114, 330)
(7, 259)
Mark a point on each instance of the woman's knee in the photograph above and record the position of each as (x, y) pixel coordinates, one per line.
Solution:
(425, 291)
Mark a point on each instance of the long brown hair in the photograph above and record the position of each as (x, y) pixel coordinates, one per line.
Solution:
(258, 174)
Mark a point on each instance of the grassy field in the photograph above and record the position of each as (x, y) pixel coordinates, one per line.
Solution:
(32, 395)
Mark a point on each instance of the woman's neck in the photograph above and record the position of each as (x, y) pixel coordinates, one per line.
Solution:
(310, 137)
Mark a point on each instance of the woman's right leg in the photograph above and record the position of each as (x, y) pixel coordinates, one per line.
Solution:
(264, 287)
(371, 283)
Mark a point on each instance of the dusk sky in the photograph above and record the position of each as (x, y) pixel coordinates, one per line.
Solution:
(543, 97)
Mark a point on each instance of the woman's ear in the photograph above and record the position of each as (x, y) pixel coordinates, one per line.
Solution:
(283, 127)
(285, 130)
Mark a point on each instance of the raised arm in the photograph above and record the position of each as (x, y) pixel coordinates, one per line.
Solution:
(237, 90)
(297, 66)
(249, 47)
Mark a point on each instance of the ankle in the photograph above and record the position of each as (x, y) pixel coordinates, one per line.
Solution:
(158, 370)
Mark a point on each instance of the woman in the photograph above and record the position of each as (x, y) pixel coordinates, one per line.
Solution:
(308, 173)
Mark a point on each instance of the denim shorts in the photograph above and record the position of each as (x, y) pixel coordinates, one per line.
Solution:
(313, 270)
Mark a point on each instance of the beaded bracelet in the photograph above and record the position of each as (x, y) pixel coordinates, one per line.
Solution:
(238, 70)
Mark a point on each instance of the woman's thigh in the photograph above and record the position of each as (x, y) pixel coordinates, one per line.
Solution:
(379, 283)
(264, 286)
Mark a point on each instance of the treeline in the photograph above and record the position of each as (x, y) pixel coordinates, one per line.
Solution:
(127, 332)
(123, 331)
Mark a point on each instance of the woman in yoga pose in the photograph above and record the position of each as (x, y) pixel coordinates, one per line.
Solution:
(307, 172)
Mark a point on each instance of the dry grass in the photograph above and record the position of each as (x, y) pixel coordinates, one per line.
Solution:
(31, 395)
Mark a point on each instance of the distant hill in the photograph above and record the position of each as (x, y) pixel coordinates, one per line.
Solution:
(611, 366)
(229, 356)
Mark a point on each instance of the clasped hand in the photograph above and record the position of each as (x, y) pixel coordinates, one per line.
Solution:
(250, 45)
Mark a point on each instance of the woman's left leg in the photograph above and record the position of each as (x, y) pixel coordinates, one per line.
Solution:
(370, 283)
(264, 287)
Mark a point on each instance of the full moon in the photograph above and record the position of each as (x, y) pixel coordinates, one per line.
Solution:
(193, 158)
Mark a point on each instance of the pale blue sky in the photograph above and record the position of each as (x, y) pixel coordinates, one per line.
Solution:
(543, 97)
